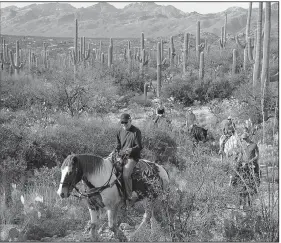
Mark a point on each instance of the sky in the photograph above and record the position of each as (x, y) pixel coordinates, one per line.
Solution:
(200, 7)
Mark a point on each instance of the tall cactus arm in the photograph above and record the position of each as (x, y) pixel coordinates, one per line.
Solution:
(243, 46)
(250, 50)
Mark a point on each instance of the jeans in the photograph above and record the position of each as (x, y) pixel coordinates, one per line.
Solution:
(127, 176)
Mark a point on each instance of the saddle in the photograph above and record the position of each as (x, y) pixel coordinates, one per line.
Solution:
(144, 177)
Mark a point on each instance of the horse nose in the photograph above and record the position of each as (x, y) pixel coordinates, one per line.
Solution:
(60, 193)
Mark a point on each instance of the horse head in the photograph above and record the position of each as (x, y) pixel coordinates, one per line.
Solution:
(71, 174)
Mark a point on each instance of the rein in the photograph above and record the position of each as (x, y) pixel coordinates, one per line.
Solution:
(96, 190)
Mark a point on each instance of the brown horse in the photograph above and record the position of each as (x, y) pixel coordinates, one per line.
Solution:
(101, 177)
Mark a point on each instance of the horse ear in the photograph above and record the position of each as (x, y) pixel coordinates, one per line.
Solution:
(75, 160)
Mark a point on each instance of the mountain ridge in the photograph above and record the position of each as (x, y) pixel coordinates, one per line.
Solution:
(103, 20)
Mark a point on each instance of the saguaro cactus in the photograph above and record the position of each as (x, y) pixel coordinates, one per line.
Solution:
(201, 66)
(110, 55)
(162, 50)
(4, 57)
(158, 69)
(84, 55)
(145, 91)
(45, 54)
(142, 41)
(257, 65)
(172, 51)
(197, 40)
(234, 62)
(75, 53)
(16, 64)
(266, 47)
(129, 56)
(223, 33)
(185, 50)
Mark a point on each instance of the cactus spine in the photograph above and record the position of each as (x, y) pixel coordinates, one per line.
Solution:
(234, 62)
(257, 65)
(201, 66)
(16, 64)
(185, 51)
(158, 69)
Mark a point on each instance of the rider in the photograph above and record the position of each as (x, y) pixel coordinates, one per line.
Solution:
(248, 158)
(190, 118)
(228, 130)
(129, 144)
(160, 111)
(251, 154)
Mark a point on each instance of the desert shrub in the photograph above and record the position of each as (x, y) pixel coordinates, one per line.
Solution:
(252, 102)
(158, 145)
(129, 82)
(219, 89)
(23, 91)
(181, 90)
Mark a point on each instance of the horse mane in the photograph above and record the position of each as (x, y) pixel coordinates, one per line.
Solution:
(90, 163)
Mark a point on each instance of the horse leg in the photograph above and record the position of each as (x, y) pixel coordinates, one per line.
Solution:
(113, 224)
(146, 217)
(93, 224)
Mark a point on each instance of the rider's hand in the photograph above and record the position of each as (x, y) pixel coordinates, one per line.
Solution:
(128, 151)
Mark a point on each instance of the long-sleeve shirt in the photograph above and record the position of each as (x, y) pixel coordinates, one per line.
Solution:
(130, 138)
(228, 128)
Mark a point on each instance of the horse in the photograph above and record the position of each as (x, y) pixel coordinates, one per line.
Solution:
(242, 175)
(105, 187)
(230, 147)
(230, 150)
(198, 133)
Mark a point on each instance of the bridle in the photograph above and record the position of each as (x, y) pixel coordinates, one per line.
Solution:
(94, 190)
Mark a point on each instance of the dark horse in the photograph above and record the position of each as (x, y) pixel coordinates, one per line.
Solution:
(105, 191)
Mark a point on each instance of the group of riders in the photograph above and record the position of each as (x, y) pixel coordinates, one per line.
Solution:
(129, 146)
